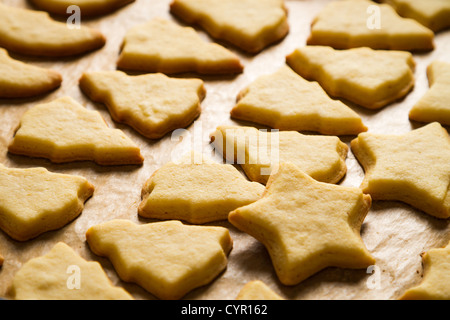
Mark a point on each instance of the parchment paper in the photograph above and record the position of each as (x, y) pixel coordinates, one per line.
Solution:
(395, 233)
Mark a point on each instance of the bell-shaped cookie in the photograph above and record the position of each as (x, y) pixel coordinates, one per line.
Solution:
(34, 201)
(251, 25)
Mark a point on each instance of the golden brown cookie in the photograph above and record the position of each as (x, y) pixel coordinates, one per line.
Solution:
(433, 14)
(34, 201)
(369, 78)
(168, 259)
(196, 192)
(65, 131)
(257, 290)
(251, 25)
(21, 80)
(163, 46)
(259, 152)
(153, 104)
(435, 284)
(286, 101)
(413, 168)
(35, 33)
(62, 274)
(434, 106)
(307, 225)
(88, 8)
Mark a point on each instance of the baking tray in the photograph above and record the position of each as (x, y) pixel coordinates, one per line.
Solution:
(395, 233)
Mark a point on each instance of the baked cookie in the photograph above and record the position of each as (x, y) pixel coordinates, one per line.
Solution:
(168, 259)
(34, 201)
(1, 260)
(369, 78)
(53, 276)
(257, 290)
(307, 225)
(434, 104)
(65, 131)
(35, 33)
(433, 14)
(153, 104)
(196, 192)
(163, 46)
(250, 25)
(89, 8)
(259, 152)
(286, 101)
(346, 24)
(436, 279)
(413, 168)
(21, 80)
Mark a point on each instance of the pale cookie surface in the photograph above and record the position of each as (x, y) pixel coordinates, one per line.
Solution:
(251, 25)
(434, 105)
(21, 80)
(168, 259)
(436, 280)
(163, 46)
(257, 290)
(369, 78)
(348, 24)
(88, 8)
(434, 14)
(259, 152)
(65, 131)
(34, 201)
(286, 101)
(35, 33)
(323, 228)
(413, 168)
(197, 192)
(153, 104)
(53, 277)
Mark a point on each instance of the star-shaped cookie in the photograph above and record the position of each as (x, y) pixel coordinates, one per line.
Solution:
(62, 274)
(413, 168)
(436, 280)
(35, 33)
(307, 225)
(21, 80)
(286, 101)
(163, 46)
(88, 8)
(346, 24)
(369, 78)
(65, 131)
(168, 259)
(259, 152)
(250, 25)
(34, 201)
(434, 14)
(153, 104)
(196, 192)
(257, 290)
(434, 106)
